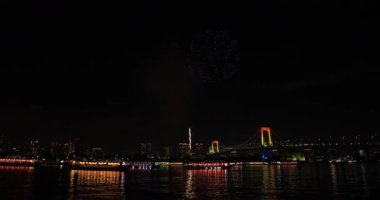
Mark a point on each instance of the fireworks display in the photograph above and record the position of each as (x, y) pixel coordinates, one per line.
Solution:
(214, 57)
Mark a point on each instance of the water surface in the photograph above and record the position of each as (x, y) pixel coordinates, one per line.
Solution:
(319, 181)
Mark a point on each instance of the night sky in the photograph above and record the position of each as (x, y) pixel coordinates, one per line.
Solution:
(121, 72)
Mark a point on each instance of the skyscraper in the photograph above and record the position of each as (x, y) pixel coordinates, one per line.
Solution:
(199, 150)
(34, 148)
(167, 152)
(56, 150)
(145, 150)
(69, 149)
(183, 150)
(97, 153)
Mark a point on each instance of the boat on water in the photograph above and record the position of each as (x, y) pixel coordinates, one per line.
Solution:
(17, 162)
(143, 165)
(208, 165)
(116, 166)
(98, 165)
(286, 163)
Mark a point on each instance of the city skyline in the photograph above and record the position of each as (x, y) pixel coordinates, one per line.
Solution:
(30, 147)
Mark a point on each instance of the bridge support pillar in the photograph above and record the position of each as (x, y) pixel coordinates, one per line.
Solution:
(266, 144)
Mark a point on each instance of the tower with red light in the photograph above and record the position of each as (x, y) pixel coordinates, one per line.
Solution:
(214, 146)
(266, 137)
(266, 143)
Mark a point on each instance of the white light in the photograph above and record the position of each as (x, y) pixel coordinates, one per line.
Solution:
(190, 139)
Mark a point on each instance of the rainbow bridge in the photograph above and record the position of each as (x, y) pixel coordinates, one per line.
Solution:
(265, 145)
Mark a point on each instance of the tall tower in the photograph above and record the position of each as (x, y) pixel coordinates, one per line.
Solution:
(214, 146)
(190, 140)
(266, 139)
(266, 143)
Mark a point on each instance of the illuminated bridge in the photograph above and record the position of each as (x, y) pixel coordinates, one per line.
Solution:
(261, 143)
(264, 145)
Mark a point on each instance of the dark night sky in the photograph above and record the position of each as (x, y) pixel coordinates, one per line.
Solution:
(116, 73)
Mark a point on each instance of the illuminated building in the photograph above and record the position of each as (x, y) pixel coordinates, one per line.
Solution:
(34, 148)
(183, 150)
(97, 153)
(168, 152)
(69, 149)
(145, 149)
(60, 150)
(56, 150)
(198, 150)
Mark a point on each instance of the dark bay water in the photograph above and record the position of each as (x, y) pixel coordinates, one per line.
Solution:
(320, 181)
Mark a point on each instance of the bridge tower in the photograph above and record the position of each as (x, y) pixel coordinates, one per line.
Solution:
(266, 143)
(214, 146)
(266, 139)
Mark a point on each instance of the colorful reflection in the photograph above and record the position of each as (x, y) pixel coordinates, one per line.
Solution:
(208, 173)
(269, 181)
(101, 183)
(16, 168)
(15, 182)
(93, 178)
(198, 182)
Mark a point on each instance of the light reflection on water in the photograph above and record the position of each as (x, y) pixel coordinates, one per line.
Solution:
(96, 184)
(18, 178)
(200, 182)
(252, 182)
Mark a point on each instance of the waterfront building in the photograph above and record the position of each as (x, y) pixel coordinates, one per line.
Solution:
(34, 148)
(183, 150)
(199, 150)
(145, 150)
